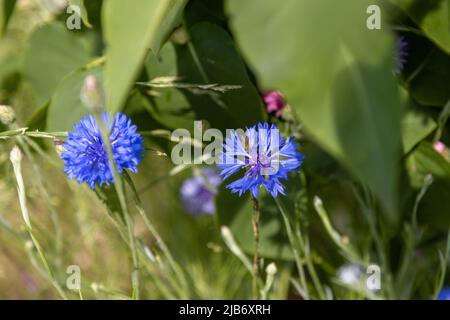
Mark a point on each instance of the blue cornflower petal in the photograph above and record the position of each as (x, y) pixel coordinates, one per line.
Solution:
(263, 155)
(85, 156)
(198, 193)
(401, 56)
(444, 294)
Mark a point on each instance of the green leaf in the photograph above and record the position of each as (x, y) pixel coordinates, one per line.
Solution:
(209, 58)
(431, 86)
(416, 126)
(336, 75)
(129, 30)
(425, 160)
(84, 13)
(433, 18)
(171, 19)
(9, 65)
(433, 209)
(108, 195)
(6, 11)
(168, 106)
(52, 53)
(66, 107)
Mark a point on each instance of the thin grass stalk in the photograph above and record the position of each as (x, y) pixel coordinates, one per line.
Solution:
(295, 249)
(255, 226)
(161, 244)
(16, 158)
(298, 242)
(123, 206)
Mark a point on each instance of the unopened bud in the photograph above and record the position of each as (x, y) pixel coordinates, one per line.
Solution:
(58, 143)
(442, 149)
(439, 147)
(29, 245)
(92, 94)
(271, 269)
(7, 115)
(95, 287)
(180, 36)
(15, 155)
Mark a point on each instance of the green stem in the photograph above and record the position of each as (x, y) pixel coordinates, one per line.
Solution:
(138, 203)
(48, 270)
(123, 206)
(298, 246)
(53, 214)
(34, 134)
(23, 206)
(369, 213)
(444, 263)
(255, 227)
(442, 121)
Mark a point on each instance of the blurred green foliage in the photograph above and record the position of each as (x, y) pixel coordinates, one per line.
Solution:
(367, 136)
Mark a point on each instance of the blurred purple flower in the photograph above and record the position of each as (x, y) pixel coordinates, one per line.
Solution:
(198, 192)
(401, 54)
(444, 294)
(275, 103)
(29, 283)
(350, 274)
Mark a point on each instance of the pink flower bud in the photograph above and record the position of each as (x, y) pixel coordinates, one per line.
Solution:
(440, 147)
(275, 103)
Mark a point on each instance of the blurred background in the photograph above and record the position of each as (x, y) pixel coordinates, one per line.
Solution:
(370, 109)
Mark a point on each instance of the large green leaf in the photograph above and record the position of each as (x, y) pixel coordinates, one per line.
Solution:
(171, 19)
(6, 10)
(130, 29)
(52, 53)
(433, 17)
(9, 65)
(415, 127)
(431, 86)
(168, 106)
(336, 73)
(66, 107)
(210, 57)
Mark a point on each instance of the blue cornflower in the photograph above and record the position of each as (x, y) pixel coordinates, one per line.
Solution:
(401, 54)
(85, 154)
(264, 156)
(198, 193)
(444, 294)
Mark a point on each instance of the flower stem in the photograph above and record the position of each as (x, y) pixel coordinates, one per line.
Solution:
(123, 206)
(369, 212)
(255, 226)
(17, 132)
(161, 244)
